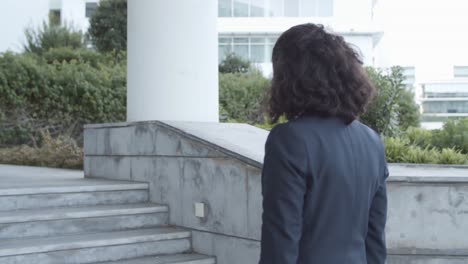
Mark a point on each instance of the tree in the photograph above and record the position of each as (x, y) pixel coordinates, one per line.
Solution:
(52, 36)
(409, 111)
(234, 64)
(393, 109)
(108, 26)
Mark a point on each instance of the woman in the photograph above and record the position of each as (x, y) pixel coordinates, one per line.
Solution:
(324, 191)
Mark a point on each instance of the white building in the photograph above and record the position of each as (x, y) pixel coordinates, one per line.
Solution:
(441, 100)
(250, 27)
(246, 27)
(17, 15)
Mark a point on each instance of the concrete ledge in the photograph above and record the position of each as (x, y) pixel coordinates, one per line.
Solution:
(428, 173)
(79, 212)
(220, 165)
(246, 143)
(13, 247)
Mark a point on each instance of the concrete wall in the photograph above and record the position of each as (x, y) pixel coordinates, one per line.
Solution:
(220, 164)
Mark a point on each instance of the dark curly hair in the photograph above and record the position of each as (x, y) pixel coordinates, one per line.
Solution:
(317, 73)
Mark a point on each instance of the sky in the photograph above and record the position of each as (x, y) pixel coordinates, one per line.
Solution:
(431, 35)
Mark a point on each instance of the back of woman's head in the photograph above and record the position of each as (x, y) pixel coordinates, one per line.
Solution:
(317, 73)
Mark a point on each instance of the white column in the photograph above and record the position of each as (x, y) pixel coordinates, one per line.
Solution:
(172, 60)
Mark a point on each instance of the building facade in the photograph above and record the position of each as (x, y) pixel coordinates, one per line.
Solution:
(442, 100)
(249, 28)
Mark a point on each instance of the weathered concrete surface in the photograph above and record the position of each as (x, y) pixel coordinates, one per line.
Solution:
(56, 216)
(220, 165)
(72, 220)
(22, 179)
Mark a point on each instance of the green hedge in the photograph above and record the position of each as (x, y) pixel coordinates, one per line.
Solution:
(401, 150)
(59, 91)
(454, 135)
(241, 96)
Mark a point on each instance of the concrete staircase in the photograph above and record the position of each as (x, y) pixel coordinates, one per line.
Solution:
(90, 223)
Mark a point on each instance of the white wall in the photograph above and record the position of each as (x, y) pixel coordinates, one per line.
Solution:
(74, 12)
(15, 17)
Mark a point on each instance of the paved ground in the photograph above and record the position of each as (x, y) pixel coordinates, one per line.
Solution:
(428, 173)
(33, 177)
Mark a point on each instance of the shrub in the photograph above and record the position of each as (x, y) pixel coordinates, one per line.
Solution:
(452, 156)
(395, 148)
(241, 96)
(52, 36)
(67, 54)
(60, 152)
(405, 150)
(419, 137)
(454, 134)
(415, 154)
(59, 97)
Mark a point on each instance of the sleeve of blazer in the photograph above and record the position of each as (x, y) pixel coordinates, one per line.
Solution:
(375, 242)
(283, 189)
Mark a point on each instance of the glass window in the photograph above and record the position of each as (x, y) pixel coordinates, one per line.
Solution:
(224, 48)
(272, 40)
(225, 40)
(445, 107)
(291, 8)
(241, 47)
(275, 8)
(257, 40)
(224, 8)
(257, 50)
(313, 8)
(460, 71)
(257, 8)
(241, 40)
(55, 4)
(241, 50)
(270, 44)
(325, 8)
(308, 8)
(257, 53)
(223, 51)
(241, 8)
(90, 9)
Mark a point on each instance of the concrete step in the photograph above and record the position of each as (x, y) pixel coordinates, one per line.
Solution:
(70, 195)
(96, 247)
(69, 220)
(169, 259)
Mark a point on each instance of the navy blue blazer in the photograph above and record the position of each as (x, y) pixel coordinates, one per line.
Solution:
(324, 194)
